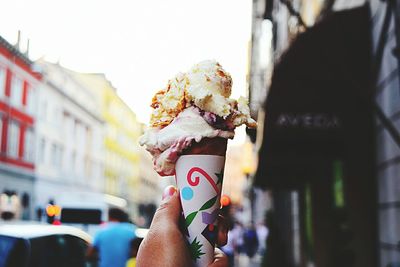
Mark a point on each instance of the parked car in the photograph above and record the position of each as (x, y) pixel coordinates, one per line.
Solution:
(42, 245)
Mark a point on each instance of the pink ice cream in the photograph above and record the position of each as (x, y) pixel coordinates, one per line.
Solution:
(195, 105)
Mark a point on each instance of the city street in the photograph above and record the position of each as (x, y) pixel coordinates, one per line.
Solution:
(263, 125)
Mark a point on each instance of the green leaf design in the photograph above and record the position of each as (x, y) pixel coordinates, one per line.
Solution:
(209, 203)
(195, 249)
(189, 219)
(220, 177)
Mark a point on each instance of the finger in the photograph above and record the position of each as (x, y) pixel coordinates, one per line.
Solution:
(170, 208)
(220, 259)
(164, 236)
(222, 237)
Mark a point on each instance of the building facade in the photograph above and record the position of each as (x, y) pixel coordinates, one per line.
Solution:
(150, 188)
(67, 138)
(387, 147)
(289, 18)
(70, 156)
(121, 148)
(19, 85)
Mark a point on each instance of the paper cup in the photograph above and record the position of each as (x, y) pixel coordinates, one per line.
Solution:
(199, 178)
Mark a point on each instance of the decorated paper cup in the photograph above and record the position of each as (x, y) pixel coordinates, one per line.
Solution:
(199, 175)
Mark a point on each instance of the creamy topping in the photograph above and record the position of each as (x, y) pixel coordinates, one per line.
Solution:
(209, 87)
(242, 115)
(193, 106)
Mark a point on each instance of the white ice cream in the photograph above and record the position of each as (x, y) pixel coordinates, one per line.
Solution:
(209, 87)
(167, 143)
(194, 105)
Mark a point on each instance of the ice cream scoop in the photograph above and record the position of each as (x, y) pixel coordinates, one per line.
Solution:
(193, 106)
(167, 143)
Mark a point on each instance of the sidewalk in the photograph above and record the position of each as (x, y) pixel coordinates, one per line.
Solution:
(243, 261)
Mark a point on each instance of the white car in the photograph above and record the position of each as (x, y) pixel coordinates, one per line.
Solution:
(42, 245)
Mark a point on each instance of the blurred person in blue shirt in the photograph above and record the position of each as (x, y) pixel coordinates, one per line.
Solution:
(111, 244)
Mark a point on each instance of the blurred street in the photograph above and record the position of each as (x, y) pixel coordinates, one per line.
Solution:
(244, 261)
(315, 182)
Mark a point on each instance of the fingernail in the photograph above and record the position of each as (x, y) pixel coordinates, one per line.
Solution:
(169, 191)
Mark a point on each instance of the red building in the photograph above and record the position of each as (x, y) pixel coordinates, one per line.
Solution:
(18, 85)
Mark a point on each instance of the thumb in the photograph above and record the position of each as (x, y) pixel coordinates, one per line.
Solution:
(170, 208)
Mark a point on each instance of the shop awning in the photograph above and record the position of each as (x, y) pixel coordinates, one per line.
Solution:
(319, 107)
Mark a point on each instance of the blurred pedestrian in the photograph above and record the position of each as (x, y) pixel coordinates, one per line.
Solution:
(135, 244)
(229, 248)
(262, 234)
(250, 241)
(165, 245)
(112, 244)
(236, 235)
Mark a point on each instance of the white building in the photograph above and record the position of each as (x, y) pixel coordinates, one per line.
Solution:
(18, 86)
(69, 154)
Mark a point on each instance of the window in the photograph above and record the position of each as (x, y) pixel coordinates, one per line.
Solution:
(16, 91)
(2, 81)
(56, 155)
(29, 145)
(80, 165)
(64, 163)
(79, 135)
(51, 109)
(42, 150)
(31, 100)
(60, 156)
(73, 162)
(51, 250)
(43, 110)
(1, 129)
(53, 155)
(57, 115)
(88, 167)
(13, 251)
(13, 137)
(89, 140)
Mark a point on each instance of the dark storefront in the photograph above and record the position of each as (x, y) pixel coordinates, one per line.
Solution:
(317, 156)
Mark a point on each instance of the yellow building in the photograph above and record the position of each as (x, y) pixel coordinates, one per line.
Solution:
(121, 167)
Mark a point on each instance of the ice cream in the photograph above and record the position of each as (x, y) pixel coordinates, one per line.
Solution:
(192, 119)
(195, 105)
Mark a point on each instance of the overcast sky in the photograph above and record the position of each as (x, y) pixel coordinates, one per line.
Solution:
(139, 45)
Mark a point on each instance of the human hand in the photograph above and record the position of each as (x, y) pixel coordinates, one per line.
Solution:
(165, 245)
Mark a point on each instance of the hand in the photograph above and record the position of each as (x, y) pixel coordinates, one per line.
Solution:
(165, 245)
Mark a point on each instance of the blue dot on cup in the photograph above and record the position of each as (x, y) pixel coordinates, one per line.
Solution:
(187, 193)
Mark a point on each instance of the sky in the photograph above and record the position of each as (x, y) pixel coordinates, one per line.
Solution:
(139, 45)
